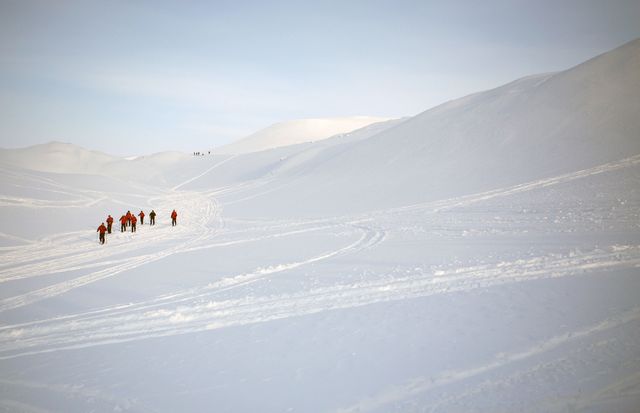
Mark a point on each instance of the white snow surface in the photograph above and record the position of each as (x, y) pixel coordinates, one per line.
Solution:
(483, 256)
(297, 131)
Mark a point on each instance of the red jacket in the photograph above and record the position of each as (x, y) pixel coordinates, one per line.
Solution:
(123, 220)
(110, 220)
(102, 229)
(133, 219)
(141, 214)
(174, 215)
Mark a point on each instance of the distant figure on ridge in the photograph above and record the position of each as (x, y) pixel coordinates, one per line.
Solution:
(109, 224)
(102, 230)
(174, 217)
(133, 223)
(152, 217)
(141, 215)
(123, 223)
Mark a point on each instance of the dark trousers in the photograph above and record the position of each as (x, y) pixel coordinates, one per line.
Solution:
(133, 227)
(109, 228)
(123, 227)
(173, 222)
(153, 221)
(141, 220)
(102, 240)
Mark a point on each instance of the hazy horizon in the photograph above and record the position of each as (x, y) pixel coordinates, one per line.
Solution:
(131, 79)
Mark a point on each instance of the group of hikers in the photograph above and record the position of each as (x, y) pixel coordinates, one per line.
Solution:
(130, 220)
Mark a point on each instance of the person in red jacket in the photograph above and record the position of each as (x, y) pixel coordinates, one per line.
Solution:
(128, 217)
(109, 224)
(123, 223)
(133, 223)
(141, 215)
(174, 217)
(102, 230)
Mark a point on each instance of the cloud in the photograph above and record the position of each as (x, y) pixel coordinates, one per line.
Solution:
(207, 92)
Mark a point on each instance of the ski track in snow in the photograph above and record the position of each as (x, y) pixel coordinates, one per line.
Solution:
(199, 310)
(203, 173)
(462, 201)
(196, 309)
(189, 232)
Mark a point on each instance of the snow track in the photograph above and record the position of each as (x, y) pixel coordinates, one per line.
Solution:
(198, 310)
(199, 212)
(467, 200)
(188, 181)
(75, 253)
(245, 294)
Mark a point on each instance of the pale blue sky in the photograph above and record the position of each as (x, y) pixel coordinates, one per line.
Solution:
(135, 77)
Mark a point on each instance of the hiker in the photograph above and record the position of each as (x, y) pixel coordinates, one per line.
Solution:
(109, 224)
(141, 215)
(123, 223)
(152, 217)
(102, 230)
(128, 218)
(174, 217)
(133, 223)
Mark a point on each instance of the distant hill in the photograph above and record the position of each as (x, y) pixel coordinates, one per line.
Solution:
(296, 131)
(58, 157)
(533, 128)
(536, 127)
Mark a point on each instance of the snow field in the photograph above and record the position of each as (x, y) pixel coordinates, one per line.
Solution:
(480, 257)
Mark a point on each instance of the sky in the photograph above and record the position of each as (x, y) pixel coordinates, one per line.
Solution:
(138, 77)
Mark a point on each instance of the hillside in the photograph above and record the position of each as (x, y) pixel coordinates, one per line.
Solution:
(296, 131)
(482, 256)
(529, 129)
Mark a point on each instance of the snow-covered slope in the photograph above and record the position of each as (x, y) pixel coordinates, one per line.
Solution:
(532, 128)
(517, 294)
(65, 158)
(296, 131)
(57, 157)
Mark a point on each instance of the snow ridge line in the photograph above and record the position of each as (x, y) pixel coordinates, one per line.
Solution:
(200, 315)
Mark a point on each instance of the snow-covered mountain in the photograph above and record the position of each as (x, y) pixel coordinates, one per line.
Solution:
(531, 128)
(297, 131)
(481, 256)
(57, 157)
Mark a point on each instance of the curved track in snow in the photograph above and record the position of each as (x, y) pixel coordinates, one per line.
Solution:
(205, 307)
(199, 310)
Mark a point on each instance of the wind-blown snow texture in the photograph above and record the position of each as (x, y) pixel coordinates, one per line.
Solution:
(482, 256)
